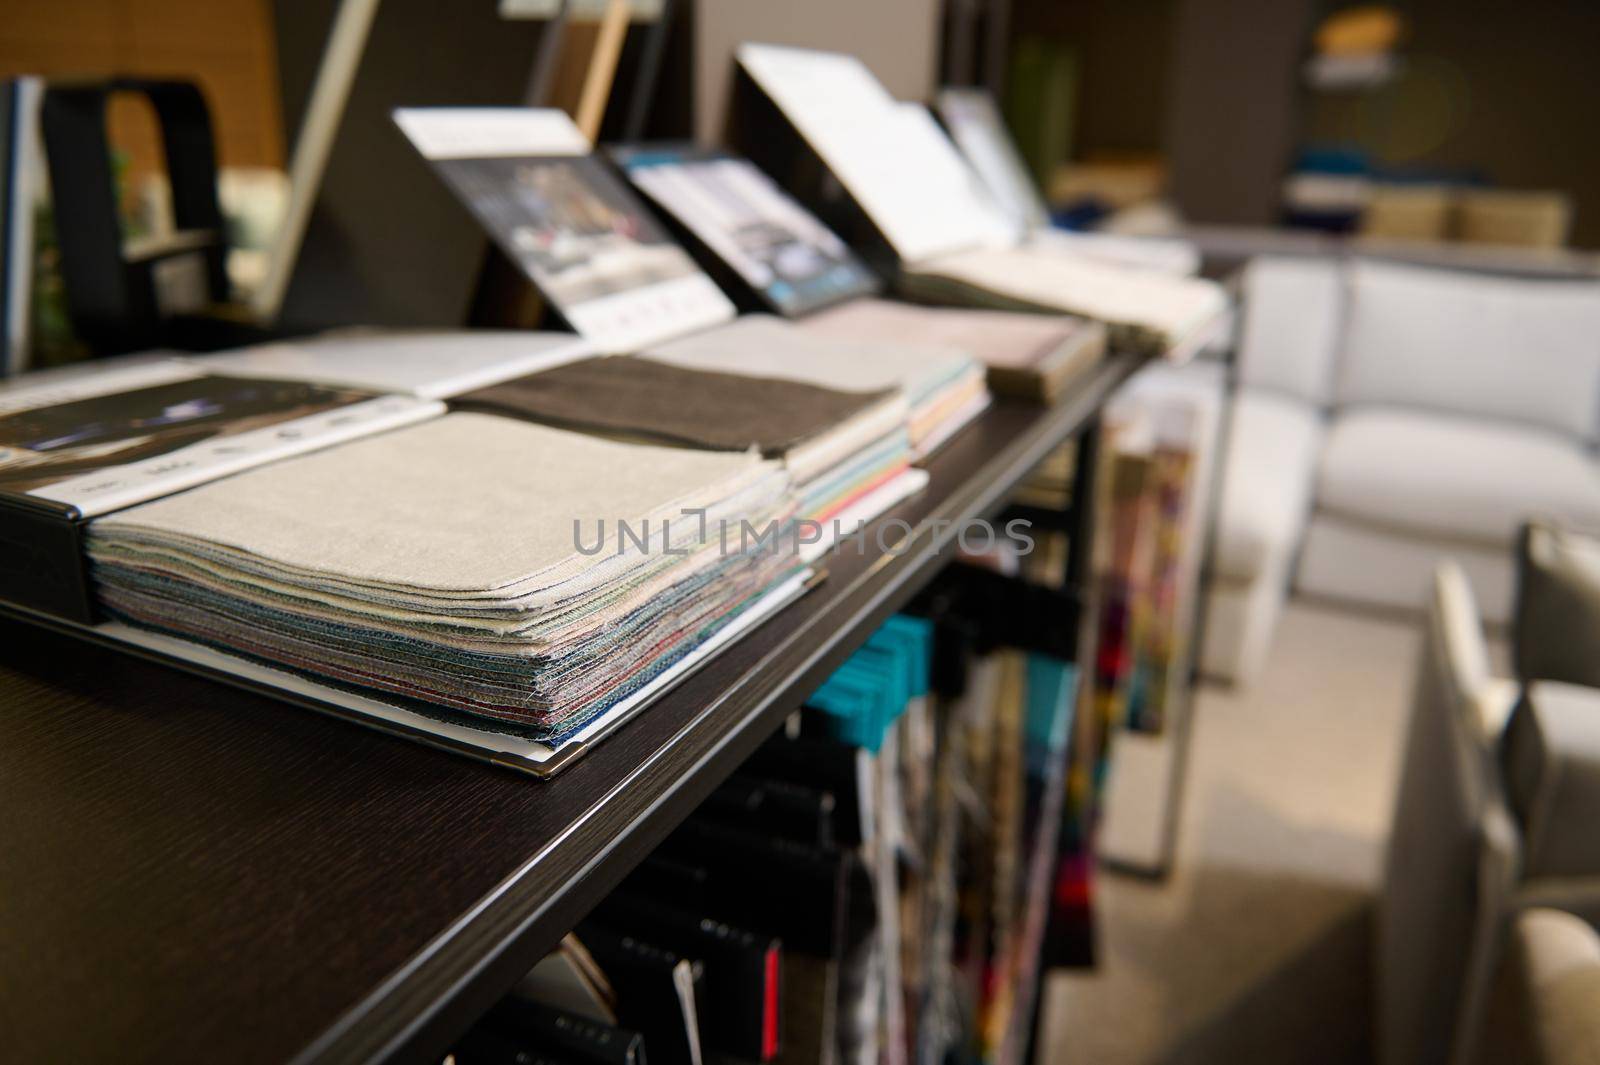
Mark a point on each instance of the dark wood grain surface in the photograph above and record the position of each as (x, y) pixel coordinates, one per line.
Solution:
(193, 873)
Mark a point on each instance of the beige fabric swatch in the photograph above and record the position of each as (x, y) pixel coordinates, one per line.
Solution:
(1149, 307)
(771, 347)
(1015, 339)
(465, 502)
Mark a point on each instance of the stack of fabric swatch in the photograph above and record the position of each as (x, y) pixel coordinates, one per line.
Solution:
(1144, 310)
(943, 386)
(840, 447)
(469, 565)
(1032, 356)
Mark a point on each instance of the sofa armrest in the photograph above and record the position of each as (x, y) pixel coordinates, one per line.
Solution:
(1271, 459)
(1550, 756)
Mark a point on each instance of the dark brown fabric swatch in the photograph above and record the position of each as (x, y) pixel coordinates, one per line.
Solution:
(653, 400)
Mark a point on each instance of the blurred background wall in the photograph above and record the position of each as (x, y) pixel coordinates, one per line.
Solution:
(898, 39)
(1207, 94)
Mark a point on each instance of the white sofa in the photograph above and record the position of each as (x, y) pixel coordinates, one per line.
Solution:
(1389, 416)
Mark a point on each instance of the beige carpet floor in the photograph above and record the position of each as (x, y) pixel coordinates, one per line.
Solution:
(1256, 946)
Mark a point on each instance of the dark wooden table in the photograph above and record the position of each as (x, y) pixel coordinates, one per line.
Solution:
(189, 872)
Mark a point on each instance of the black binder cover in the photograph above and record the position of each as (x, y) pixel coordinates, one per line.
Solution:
(787, 888)
(482, 1047)
(820, 763)
(791, 810)
(565, 1034)
(741, 969)
(645, 976)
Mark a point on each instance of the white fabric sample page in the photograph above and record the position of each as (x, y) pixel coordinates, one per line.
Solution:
(892, 157)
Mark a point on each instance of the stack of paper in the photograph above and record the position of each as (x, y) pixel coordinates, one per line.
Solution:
(1027, 355)
(528, 577)
(943, 385)
(1143, 309)
(841, 448)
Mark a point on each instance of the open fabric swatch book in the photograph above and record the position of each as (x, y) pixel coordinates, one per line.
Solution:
(310, 519)
(954, 243)
(459, 578)
(610, 271)
(515, 572)
(764, 245)
(979, 131)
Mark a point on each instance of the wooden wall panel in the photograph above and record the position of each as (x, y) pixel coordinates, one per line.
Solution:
(226, 45)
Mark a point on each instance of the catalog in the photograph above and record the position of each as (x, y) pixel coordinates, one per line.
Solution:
(576, 230)
(99, 442)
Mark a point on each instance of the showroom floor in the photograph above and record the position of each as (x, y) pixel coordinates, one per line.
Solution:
(1256, 947)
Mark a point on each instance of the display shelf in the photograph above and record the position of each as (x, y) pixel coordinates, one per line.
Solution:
(193, 872)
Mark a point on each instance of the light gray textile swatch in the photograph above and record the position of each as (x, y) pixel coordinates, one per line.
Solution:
(468, 502)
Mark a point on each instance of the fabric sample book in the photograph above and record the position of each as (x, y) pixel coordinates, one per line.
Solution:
(1031, 356)
(751, 228)
(472, 565)
(103, 440)
(84, 441)
(841, 448)
(943, 385)
(594, 251)
(1143, 309)
(773, 247)
(955, 244)
(979, 132)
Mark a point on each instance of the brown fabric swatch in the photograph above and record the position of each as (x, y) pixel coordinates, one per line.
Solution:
(656, 401)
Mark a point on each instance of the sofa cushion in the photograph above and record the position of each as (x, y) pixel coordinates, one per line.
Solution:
(1377, 566)
(1290, 329)
(1519, 350)
(1453, 477)
(1266, 483)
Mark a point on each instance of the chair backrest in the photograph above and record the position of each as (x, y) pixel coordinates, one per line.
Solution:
(1451, 852)
(1556, 622)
